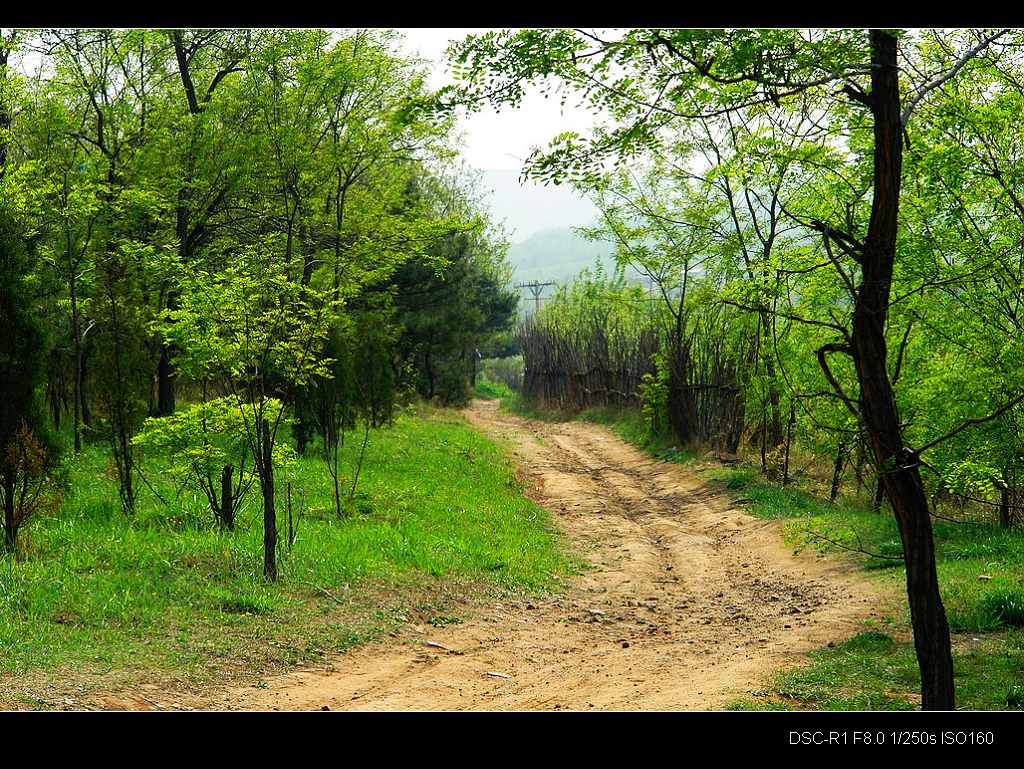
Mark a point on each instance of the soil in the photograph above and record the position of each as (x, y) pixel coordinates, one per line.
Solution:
(686, 603)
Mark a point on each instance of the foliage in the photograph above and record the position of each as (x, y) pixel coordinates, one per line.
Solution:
(29, 488)
(205, 218)
(201, 441)
(25, 456)
(489, 390)
(868, 313)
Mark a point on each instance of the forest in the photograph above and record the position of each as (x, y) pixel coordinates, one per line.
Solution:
(226, 254)
(205, 231)
(250, 291)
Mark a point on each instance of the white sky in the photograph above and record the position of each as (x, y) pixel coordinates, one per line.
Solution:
(497, 140)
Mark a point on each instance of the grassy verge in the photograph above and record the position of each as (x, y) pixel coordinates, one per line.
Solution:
(98, 600)
(490, 391)
(981, 570)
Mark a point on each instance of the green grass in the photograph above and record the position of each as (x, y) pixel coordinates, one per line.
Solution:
(981, 567)
(98, 594)
(871, 671)
(489, 390)
(516, 404)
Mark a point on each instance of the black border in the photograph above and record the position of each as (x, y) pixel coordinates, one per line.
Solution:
(428, 739)
(675, 14)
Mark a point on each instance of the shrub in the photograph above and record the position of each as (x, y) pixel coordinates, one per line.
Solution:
(1003, 607)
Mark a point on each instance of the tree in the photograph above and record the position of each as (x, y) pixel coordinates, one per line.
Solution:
(208, 452)
(26, 450)
(204, 170)
(249, 327)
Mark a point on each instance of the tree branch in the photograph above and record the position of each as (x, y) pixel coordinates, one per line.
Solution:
(936, 82)
(972, 423)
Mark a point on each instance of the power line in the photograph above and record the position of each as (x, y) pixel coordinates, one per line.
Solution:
(536, 288)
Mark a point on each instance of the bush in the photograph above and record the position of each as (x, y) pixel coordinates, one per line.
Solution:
(1003, 607)
(489, 390)
(507, 371)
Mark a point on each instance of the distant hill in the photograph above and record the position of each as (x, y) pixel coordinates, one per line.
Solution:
(556, 254)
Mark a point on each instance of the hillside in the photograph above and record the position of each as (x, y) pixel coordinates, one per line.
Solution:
(556, 254)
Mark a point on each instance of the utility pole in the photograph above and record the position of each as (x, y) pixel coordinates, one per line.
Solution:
(536, 288)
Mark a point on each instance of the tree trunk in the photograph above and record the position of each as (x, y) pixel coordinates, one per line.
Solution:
(879, 497)
(774, 436)
(897, 464)
(82, 395)
(837, 472)
(1008, 482)
(789, 443)
(764, 446)
(859, 466)
(269, 513)
(10, 529)
(165, 383)
(76, 332)
(291, 525)
(227, 499)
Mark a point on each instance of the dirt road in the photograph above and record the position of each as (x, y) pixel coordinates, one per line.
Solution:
(690, 603)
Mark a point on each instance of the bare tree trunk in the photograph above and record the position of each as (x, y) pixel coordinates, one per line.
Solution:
(859, 466)
(879, 497)
(83, 395)
(774, 426)
(837, 472)
(266, 471)
(76, 332)
(764, 446)
(334, 460)
(227, 501)
(897, 464)
(165, 383)
(1006, 486)
(291, 527)
(789, 443)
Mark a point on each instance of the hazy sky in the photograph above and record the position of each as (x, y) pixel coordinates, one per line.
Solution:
(498, 142)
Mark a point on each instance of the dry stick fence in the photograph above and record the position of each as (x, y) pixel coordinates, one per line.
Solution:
(705, 399)
(596, 360)
(592, 364)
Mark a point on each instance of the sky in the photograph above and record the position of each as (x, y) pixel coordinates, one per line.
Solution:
(498, 143)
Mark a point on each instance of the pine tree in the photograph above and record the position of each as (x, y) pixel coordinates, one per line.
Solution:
(26, 447)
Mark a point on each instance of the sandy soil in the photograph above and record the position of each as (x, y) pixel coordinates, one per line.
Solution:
(689, 602)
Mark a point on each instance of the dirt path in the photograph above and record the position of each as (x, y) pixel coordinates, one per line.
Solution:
(690, 603)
